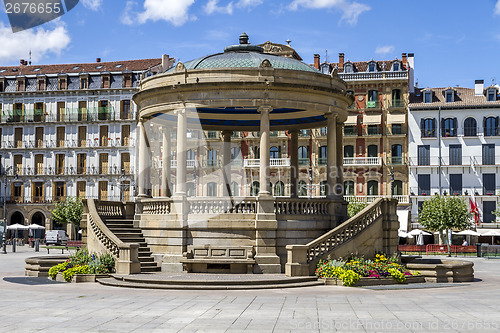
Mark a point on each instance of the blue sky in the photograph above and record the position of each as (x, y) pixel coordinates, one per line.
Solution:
(454, 43)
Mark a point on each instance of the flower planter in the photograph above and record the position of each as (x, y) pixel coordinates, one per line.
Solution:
(78, 278)
(373, 281)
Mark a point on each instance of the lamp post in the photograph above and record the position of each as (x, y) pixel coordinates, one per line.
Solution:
(392, 182)
(4, 234)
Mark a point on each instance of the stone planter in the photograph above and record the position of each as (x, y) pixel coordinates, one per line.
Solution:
(373, 281)
(78, 278)
(443, 270)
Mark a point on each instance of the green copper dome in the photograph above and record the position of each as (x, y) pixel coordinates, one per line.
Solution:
(246, 55)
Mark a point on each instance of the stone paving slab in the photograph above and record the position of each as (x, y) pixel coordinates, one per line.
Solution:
(28, 306)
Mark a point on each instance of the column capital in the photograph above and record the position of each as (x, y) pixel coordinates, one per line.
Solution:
(264, 109)
(331, 114)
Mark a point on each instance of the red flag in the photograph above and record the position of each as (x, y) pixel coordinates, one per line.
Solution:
(474, 209)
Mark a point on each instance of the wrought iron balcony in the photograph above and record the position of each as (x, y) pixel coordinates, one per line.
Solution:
(359, 161)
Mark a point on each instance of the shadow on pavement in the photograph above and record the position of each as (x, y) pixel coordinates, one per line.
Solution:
(33, 281)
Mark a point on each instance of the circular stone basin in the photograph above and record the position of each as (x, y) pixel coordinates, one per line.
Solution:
(443, 270)
(39, 266)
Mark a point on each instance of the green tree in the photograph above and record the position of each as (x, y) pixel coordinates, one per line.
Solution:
(442, 213)
(68, 211)
(355, 207)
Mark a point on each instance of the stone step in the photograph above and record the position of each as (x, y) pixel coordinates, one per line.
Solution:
(208, 285)
(150, 269)
(146, 259)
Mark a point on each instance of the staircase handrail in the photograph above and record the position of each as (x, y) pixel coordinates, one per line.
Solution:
(125, 253)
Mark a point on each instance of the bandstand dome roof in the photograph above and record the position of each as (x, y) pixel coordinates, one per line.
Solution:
(246, 55)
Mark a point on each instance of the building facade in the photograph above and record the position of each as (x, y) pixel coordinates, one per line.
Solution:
(454, 133)
(68, 131)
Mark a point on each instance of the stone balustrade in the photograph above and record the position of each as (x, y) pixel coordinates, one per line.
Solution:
(298, 206)
(222, 206)
(109, 208)
(160, 206)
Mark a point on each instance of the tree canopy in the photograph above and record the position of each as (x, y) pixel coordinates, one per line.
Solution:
(68, 211)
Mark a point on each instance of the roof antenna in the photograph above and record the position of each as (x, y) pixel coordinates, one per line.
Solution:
(30, 58)
(288, 41)
(326, 55)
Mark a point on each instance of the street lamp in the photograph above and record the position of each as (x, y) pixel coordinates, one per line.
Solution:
(392, 182)
(4, 235)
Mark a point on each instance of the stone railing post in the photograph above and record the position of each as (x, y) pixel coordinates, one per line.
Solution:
(128, 259)
(296, 264)
(390, 226)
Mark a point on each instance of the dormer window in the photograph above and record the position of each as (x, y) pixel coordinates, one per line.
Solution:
(491, 95)
(450, 96)
(348, 68)
(21, 84)
(41, 84)
(325, 68)
(63, 83)
(371, 67)
(105, 81)
(428, 96)
(127, 80)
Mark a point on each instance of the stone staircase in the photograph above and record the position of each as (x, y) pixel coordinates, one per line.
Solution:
(124, 229)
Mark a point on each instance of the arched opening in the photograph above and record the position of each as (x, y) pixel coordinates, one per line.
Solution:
(397, 187)
(348, 151)
(235, 189)
(349, 187)
(279, 189)
(397, 154)
(16, 218)
(274, 152)
(323, 186)
(372, 151)
(303, 155)
(302, 188)
(254, 190)
(470, 127)
(190, 189)
(373, 187)
(212, 189)
(39, 219)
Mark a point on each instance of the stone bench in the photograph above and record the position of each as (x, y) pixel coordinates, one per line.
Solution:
(218, 259)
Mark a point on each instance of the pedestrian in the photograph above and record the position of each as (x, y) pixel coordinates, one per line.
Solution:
(465, 243)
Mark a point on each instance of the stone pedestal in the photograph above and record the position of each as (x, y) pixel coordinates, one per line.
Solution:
(266, 225)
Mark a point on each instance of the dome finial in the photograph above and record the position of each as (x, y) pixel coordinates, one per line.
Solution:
(244, 38)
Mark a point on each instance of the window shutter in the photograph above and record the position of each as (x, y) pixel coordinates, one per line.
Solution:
(496, 125)
(484, 124)
(455, 126)
(442, 127)
(433, 127)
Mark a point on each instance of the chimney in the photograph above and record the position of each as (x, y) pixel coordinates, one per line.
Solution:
(165, 63)
(403, 57)
(22, 62)
(341, 60)
(316, 61)
(479, 87)
(411, 71)
(98, 60)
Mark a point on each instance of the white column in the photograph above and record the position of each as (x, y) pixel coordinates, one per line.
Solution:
(264, 174)
(226, 162)
(331, 143)
(294, 163)
(165, 171)
(142, 163)
(181, 152)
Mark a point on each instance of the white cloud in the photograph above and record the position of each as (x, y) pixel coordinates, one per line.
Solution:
(497, 8)
(212, 7)
(250, 3)
(92, 4)
(173, 11)
(384, 49)
(350, 10)
(41, 42)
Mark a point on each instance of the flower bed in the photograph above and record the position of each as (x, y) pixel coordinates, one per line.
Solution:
(353, 272)
(83, 267)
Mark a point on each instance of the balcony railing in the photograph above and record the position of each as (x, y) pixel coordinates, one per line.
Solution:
(211, 163)
(304, 161)
(396, 160)
(368, 131)
(349, 161)
(373, 75)
(67, 115)
(371, 198)
(396, 130)
(189, 163)
(322, 160)
(465, 191)
(397, 103)
(273, 162)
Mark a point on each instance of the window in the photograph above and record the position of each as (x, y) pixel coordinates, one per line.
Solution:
(235, 189)
(450, 94)
(372, 151)
(489, 154)
(322, 159)
(38, 112)
(424, 155)
(212, 189)
(125, 109)
(455, 154)
(372, 187)
(39, 164)
(125, 163)
(489, 183)
(349, 187)
(396, 129)
(397, 187)
(127, 80)
(103, 190)
(190, 189)
(103, 164)
(348, 68)
(428, 97)
(395, 66)
(103, 136)
(372, 99)
(323, 188)
(212, 158)
(235, 153)
(373, 130)
(18, 114)
(37, 193)
(488, 208)
(18, 137)
(103, 110)
(60, 164)
(256, 152)
(470, 127)
(81, 167)
(80, 189)
(325, 68)
(397, 154)
(424, 184)
(61, 111)
(60, 190)
(303, 155)
(349, 151)
(456, 184)
(490, 125)
(105, 81)
(302, 188)
(41, 84)
(491, 95)
(396, 98)
(21, 84)
(279, 189)
(350, 130)
(254, 189)
(82, 136)
(2, 85)
(274, 152)
(63, 83)
(125, 136)
(371, 67)
(61, 136)
(82, 110)
(428, 127)
(84, 83)
(449, 127)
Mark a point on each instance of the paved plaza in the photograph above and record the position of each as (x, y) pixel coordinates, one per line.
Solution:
(39, 305)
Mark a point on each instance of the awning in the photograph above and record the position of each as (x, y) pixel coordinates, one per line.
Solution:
(403, 219)
(351, 120)
(372, 119)
(396, 119)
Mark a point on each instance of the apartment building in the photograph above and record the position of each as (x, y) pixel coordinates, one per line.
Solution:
(452, 147)
(68, 130)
